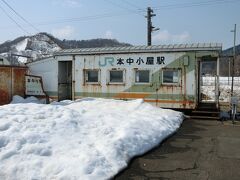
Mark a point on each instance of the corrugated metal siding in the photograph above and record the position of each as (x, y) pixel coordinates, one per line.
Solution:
(12, 82)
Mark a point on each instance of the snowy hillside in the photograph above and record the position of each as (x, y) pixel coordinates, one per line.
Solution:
(36, 46)
(43, 44)
(86, 139)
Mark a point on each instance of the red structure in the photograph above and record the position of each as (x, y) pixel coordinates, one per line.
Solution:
(12, 82)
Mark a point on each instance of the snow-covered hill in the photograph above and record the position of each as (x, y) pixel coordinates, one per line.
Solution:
(30, 47)
(44, 44)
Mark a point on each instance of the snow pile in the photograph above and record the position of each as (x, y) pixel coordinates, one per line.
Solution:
(85, 139)
(18, 99)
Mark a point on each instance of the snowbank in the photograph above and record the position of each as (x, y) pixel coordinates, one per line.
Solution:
(18, 99)
(86, 139)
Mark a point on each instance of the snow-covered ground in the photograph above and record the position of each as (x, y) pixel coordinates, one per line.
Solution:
(85, 139)
(208, 88)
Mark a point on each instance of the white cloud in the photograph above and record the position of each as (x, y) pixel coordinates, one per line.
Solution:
(67, 3)
(64, 32)
(166, 37)
(108, 34)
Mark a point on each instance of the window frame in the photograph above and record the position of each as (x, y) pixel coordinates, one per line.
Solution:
(172, 83)
(135, 76)
(123, 77)
(85, 76)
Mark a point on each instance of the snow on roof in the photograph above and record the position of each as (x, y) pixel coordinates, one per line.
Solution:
(135, 49)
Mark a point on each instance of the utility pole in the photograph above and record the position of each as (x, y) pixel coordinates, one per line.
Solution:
(150, 28)
(234, 100)
(234, 56)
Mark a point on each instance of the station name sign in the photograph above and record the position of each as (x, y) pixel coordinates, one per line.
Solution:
(160, 60)
(33, 85)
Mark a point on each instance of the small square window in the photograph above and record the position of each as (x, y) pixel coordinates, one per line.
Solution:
(170, 76)
(142, 76)
(91, 76)
(116, 76)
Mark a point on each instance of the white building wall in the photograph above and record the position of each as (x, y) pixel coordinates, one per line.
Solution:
(92, 62)
(48, 70)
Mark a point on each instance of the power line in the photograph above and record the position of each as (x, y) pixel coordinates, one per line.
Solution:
(132, 4)
(25, 31)
(109, 15)
(196, 4)
(84, 18)
(180, 5)
(20, 15)
(123, 7)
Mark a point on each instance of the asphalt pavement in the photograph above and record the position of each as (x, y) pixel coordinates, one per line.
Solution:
(199, 150)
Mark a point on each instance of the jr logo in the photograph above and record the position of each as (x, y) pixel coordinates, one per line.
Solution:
(107, 60)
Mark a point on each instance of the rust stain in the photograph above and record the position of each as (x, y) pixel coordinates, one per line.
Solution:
(4, 97)
(169, 101)
(185, 83)
(19, 81)
(12, 82)
(53, 97)
(131, 95)
(5, 85)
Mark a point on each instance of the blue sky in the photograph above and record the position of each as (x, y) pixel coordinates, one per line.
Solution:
(185, 21)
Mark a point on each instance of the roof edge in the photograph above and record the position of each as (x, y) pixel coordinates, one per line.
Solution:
(139, 49)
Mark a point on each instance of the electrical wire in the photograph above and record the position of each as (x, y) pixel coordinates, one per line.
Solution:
(18, 25)
(77, 19)
(109, 15)
(122, 7)
(10, 7)
(196, 4)
(132, 4)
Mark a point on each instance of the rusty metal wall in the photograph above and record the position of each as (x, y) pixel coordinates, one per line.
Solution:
(18, 81)
(5, 85)
(12, 82)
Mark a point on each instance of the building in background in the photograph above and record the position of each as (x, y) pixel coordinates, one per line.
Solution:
(4, 61)
(169, 76)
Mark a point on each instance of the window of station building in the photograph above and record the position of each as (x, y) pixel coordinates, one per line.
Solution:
(170, 76)
(1, 61)
(142, 76)
(116, 76)
(91, 76)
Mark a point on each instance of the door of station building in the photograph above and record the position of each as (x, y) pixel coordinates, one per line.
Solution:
(64, 80)
(208, 91)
